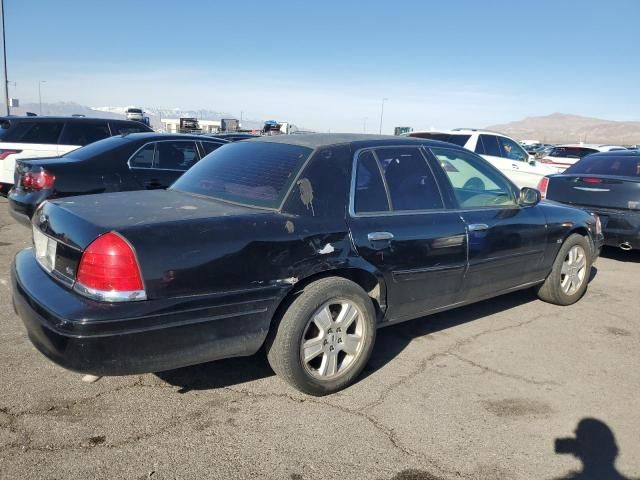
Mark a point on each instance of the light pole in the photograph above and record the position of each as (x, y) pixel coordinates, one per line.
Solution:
(4, 48)
(382, 113)
(40, 82)
(364, 125)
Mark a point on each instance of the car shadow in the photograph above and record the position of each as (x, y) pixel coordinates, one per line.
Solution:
(390, 342)
(632, 256)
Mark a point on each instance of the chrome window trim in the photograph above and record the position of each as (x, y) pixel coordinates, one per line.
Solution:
(155, 148)
(352, 192)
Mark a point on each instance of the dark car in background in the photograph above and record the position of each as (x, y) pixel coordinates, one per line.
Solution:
(136, 161)
(607, 184)
(234, 136)
(31, 137)
(303, 244)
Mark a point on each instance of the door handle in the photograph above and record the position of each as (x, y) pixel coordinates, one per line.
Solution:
(478, 227)
(377, 236)
(515, 167)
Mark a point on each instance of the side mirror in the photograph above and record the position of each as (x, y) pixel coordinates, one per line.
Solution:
(529, 197)
(532, 162)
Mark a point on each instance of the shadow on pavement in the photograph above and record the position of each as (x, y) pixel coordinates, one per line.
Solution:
(613, 253)
(595, 446)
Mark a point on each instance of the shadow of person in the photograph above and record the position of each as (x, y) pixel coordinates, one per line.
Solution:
(595, 446)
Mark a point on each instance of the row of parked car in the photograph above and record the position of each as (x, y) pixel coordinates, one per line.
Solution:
(302, 245)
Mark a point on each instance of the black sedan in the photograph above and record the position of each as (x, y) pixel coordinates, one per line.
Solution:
(134, 161)
(608, 184)
(302, 244)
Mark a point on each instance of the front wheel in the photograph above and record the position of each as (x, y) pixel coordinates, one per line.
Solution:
(569, 275)
(324, 338)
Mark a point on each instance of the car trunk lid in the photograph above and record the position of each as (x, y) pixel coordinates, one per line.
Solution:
(598, 191)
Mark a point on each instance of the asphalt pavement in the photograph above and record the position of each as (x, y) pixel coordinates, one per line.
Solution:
(481, 392)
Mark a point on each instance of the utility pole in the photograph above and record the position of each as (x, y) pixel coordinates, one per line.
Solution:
(4, 48)
(382, 114)
(40, 82)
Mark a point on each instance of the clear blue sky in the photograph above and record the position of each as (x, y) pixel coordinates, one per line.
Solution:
(327, 64)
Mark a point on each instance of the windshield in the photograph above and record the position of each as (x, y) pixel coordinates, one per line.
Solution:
(571, 152)
(627, 166)
(251, 173)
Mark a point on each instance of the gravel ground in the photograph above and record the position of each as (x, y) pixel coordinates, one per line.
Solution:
(479, 392)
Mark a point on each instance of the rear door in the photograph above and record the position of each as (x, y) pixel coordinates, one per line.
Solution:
(506, 241)
(400, 224)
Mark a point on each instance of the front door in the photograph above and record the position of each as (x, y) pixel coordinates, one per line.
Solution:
(399, 224)
(506, 240)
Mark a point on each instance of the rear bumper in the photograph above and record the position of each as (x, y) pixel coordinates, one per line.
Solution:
(619, 227)
(141, 337)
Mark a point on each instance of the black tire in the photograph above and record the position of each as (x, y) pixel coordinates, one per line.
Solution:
(551, 290)
(284, 346)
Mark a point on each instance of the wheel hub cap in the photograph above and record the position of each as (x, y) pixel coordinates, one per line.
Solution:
(574, 270)
(333, 339)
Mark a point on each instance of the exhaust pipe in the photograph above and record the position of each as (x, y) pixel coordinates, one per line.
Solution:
(626, 246)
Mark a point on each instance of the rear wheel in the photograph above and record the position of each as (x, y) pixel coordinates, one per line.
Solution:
(324, 338)
(569, 275)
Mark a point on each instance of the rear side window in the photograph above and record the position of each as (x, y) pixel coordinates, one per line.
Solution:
(627, 166)
(143, 158)
(80, 133)
(175, 155)
(409, 180)
(488, 145)
(33, 132)
(370, 195)
(251, 173)
(209, 147)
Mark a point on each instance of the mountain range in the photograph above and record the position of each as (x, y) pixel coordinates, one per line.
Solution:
(565, 128)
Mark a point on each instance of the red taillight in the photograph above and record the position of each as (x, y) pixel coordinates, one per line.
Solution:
(4, 153)
(37, 180)
(543, 185)
(592, 180)
(109, 271)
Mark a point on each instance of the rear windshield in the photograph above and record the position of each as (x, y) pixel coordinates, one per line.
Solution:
(627, 166)
(95, 148)
(457, 139)
(251, 173)
(571, 152)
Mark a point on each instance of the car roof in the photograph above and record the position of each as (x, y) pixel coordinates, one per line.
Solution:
(65, 119)
(167, 136)
(617, 153)
(358, 140)
(460, 131)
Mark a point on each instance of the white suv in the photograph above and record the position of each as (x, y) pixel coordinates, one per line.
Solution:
(501, 151)
(35, 137)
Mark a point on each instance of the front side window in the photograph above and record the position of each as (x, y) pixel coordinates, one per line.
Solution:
(143, 158)
(122, 128)
(475, 183)
(78, 133)
(488, 145)
(175, 155)
(251, 173)
(512, 150)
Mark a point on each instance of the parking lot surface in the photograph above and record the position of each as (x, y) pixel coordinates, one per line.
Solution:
(479, 392)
